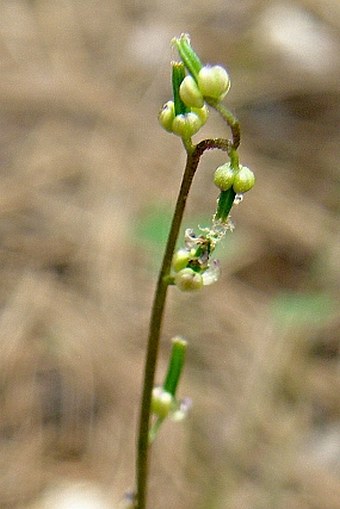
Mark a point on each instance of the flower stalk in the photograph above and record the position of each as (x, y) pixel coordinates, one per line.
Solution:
(157, 313)
(192, 266)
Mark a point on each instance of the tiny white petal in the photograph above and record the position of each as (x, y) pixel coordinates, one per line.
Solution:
(212, 274)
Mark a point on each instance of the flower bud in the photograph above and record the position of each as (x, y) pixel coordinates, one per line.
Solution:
(244, 180)
(188, 280)
(213, 81)
(212, 274)
(186, 125)
(180, 259)
(224, 177)
(162, 402)
(190, 93)
(166, 116)
(202, 113)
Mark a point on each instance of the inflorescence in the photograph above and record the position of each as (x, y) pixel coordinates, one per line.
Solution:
(195, 87)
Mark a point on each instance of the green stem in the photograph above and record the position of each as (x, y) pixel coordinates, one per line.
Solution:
(142, 467)
(231, 120)
(234, 159)
(154, 429)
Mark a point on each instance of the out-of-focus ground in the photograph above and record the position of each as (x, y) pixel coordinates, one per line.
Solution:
(87, 182)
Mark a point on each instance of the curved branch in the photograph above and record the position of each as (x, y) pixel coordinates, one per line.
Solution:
(213, 143)
(230, 119)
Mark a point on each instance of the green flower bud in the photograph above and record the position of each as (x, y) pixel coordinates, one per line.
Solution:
(190, 93)
(213, 81)
(166, 116)
(186, 125)
(224, 177)
(180, 259)
(188, 280)
(162, 402)
(202, 113)
(244, 180)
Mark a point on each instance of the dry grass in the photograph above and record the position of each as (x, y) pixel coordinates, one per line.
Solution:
(82, 159)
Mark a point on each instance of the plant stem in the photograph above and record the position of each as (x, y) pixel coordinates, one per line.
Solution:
(230, 119)
(193, 156)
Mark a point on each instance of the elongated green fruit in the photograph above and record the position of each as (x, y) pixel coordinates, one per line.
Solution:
(178, 75)
(188, 55)
(224, 205)
(176, 364)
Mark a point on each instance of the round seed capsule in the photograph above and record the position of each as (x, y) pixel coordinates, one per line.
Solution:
(186, 125)
(244, 180)
(190, 93)
(224, 177)
(187, 280)
(166, 116)
(180, 259)
(213, 81)
(161, 402)
(202, 113)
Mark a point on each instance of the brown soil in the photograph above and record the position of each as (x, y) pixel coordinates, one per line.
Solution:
(83, 162)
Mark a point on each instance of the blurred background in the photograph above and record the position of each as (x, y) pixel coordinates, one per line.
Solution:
(88, 182)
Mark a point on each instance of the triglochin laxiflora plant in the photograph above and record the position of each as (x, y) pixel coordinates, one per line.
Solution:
(196, 89)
